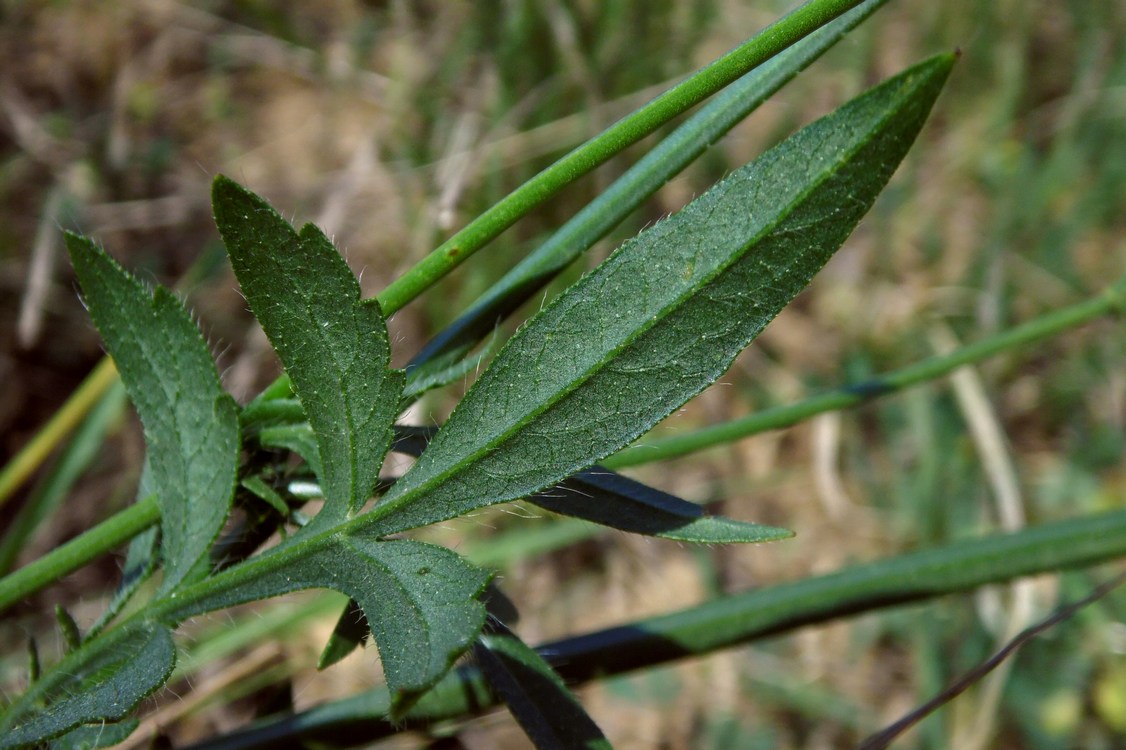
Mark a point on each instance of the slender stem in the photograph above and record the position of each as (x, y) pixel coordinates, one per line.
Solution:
(1046, 326)
(627, 131)
(110, 533)
(16, 472)
(721, 623)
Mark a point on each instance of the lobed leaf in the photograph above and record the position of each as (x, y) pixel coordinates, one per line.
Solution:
(333, 345)
(420, 600)
(191, 425)
(665, 315)
(103, 686)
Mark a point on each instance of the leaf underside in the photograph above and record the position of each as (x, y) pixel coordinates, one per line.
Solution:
(665, 315)
(419, 599)
(191, 424)
(333, 345)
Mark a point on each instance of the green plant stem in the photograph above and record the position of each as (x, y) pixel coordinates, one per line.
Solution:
(722, 623)
(74, 458)
(627, 131)
(16, 472)
(110, 533)
(1046, 326)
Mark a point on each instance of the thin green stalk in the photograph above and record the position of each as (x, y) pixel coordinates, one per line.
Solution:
(109, 534)
(722, 623)
(627, 131)
(24, 464)
(1110, 300)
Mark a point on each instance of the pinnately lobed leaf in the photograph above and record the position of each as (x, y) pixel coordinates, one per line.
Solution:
(191, 424)
(665, 315)
(333, 345)
(420, 599)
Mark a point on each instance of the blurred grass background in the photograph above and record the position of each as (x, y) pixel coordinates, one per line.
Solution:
(390, 124)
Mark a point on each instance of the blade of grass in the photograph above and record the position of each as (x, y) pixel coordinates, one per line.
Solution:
(69, 416)
(722, 623)
(627, 131)
(72, 462)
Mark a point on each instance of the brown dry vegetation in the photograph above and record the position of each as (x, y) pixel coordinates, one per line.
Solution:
(390, 124)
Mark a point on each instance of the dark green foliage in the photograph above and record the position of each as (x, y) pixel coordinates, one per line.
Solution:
(333, 344)
(665, 315)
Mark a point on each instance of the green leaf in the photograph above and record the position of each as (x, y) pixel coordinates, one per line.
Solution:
(550, 715)
(604, 497)
(191, 425)
(299, 438)
(99, 686)
(333, 345)
(419, 599)
(441, 371)
(665, 315)
(261, 413)
(68, 628)
(258, 487)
